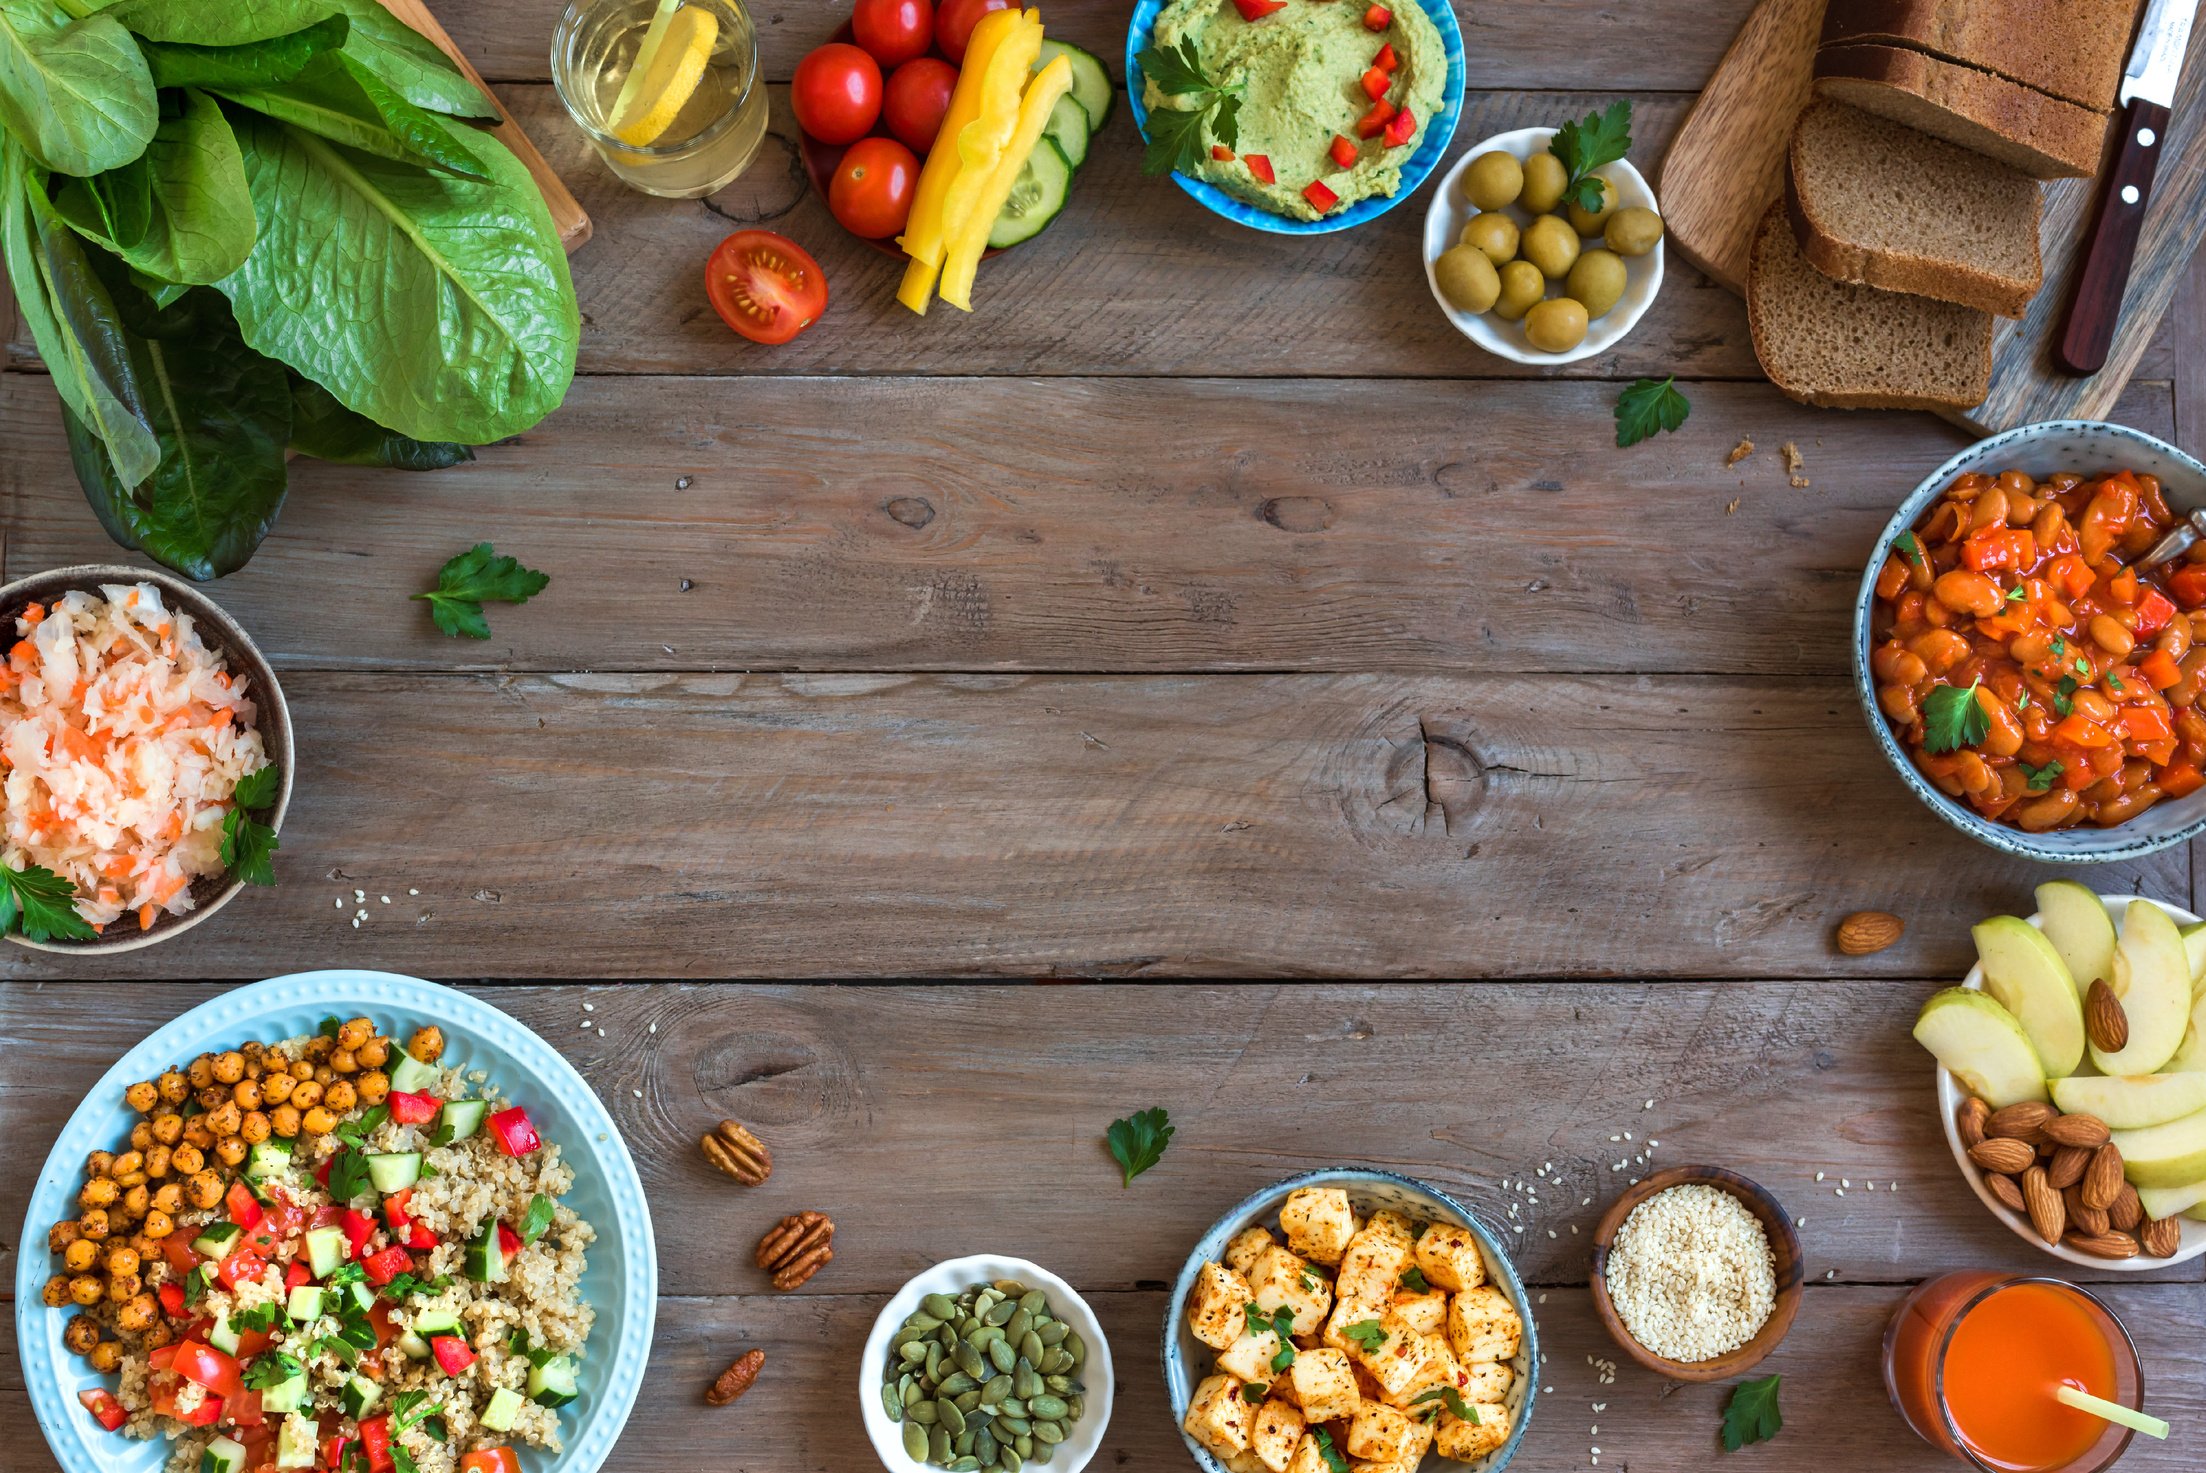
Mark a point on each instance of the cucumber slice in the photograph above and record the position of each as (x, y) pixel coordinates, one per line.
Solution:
(1037, 195)
(305, 1304)
(486, 1256)
(269, 1160)
(394, 1171)
(360, 1394)
(325, 1250)
(362, 1297)
(1069, 129)
(412, 1076)
(287, 1395)
(218, 1238)
(437, 1322)
(552, 1384)
(505, 1404)
(462, 1117)
(413, 1345)
(1091, 85)
(299, 1445)
(223, 1455)
(223, 1336)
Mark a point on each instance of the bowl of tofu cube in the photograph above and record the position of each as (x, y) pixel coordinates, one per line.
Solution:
(1350, 1318)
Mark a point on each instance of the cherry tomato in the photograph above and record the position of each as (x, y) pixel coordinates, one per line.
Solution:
(915, 100)
(836, 93)
(954, 22)
(871, 193)
(765, 286)
(893, 31)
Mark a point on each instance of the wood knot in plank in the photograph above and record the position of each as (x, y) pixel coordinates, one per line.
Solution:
(913, 511)
(1297, 513)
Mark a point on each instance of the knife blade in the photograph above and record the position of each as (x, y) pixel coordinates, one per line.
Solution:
(2149, 81)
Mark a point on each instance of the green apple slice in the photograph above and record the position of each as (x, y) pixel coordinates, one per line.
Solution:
(2132, 1102)
(2170, 1155)
(2190, 1056)
(2171, 1201)
(2076, 922)
(2029, 979)
(1983, 1045)
(2194, 947)
(2152, 977)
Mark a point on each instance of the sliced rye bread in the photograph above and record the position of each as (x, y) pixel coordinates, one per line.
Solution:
(1878, 204)
(2042, 136)
(1855, 347)
(2070, 49)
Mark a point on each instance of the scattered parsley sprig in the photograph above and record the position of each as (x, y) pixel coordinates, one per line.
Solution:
(1602, 139)
(41, 904)
(475, 577)
(1137, 1143)
(1647, 406)
(247, 843)
(1751, 1415)
(1953, 719)
(1176, 133)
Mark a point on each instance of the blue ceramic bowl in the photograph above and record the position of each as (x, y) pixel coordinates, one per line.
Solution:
(1186, 1358)
(1430, 148)
(2087, 447)
(622, 1280)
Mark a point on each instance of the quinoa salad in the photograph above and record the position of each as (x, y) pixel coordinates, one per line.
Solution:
(328, 1253)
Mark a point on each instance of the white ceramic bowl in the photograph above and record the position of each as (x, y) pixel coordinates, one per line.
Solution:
(952, 1277)
(1951, 1094)
(1187, 1360)
(1449, 211)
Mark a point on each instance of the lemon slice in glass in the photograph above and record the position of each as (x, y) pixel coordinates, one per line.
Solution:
(666, 76)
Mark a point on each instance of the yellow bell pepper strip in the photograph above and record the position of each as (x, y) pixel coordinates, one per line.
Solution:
(981, 145)
(971, 238)
(925, 233)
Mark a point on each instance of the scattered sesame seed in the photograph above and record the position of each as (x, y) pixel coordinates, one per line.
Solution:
(1614, 1139)
(1543, 1299)
(413, 892)
(637, 1093)
(1627, 1135)
(1551, 1232)
(1652, 1143)
(654, 1027)
(1648, 1106)
(1830, 1273)
(1819, 1176)
(1799, 1222)
(589, 1007)
(1839, 1191)
(358, 896)
(356, 923)
(585, 1025)
(1588, 1202)
(1845, 1181)
(1872, 1186)
(340, 902)
(1574, 1230)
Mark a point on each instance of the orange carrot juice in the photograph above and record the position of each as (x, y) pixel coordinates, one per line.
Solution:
(1973, 1362)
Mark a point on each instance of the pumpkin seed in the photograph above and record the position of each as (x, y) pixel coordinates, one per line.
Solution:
(1034, 1302)
(1076, 1407)
(957, 1383)
(925, 1413)
(1000, 1313)
(969, 1361)
(915, 1442)
(995, 1391)
(966, 1401)
(1015, 1328)
(912, 1353)
(984, 1445)
(1043, 1452)
(1014, 1423)
(1049, 1432)
(938, 1445)
(891, 1402)
(1058, 1384)
(1013, 1406)
(1023, 1444)
(966, 1464)
(1078, 1347)
(985, 1336)
(962, 1444)
(1056, 1361)
(1047, 1407)
(1002, 1355)
(952, 1418)
(1009, 1457)
(1032, 1348)
(940, 1307)
(1012, 1287)
(907, 1388)
(1054, 1332)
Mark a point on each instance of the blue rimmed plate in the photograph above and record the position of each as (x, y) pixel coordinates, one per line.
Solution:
(1429, 152)
(622, 1280)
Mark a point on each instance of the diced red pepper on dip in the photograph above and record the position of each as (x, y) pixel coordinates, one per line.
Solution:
(1401, 129)
(1255, 10)
(1261, 167)
(1386, 60)
(1344, 152)
(1374, 122)
(515, 1132)
(1377, 18)
(1321, 199)
(1375, 82)
(1221, 153)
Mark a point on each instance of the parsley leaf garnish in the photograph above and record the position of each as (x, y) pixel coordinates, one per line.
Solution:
(1910, 547)
(1451, 1398)
(1952, 719)
(348, 1179)
(2015, 594)
(1137, 1143)
(267, 1370)
(538, 1219)
(1751, 1414)
(2062, 706)
(41, 904)
(2041, 778)
(1366, 1333)
(1176, 133)
(1602, 139)
(246, 841)
(474, 577)
(356, 1132)
(405, 1286)
(1331, 1454)
(1413, 1279)
(1254, 1392)
(1647, 406)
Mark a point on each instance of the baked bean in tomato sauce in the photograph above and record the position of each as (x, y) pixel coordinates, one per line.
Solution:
(2016, 597)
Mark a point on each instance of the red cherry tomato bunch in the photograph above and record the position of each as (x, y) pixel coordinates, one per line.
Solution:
(883, 100)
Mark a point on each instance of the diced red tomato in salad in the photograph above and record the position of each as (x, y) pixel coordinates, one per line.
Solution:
(105, 1410)
(241, 1267)
(244, 1208)
(161, 1393)
(177, 1249)
(491, 1460)
(408, 1108)
(294, 1274)
(244, 1408)
(333, 1451)
(387, 1265)
(515, 1132)
(375, 1441)
(452, 1353)
(509, 1241)
(172, 1300)
(404, 1228)
(208, 1367)
(359, 1227)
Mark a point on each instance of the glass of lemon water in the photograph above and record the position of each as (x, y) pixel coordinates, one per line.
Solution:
(668, 91)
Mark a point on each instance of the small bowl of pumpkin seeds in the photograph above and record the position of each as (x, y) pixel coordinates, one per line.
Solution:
(986, 1365)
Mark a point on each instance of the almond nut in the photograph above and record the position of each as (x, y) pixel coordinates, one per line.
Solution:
(2160, 1236)
(2084, 1219)
(2126, 1211)
(2102, 1179)
(737, 1152)
(2103, 1245)
(2104, 1021)
(1866, 931)
(2009, 1195)
(2047, 1213)
(2020, 1122)
(2087, 1131)
(1969, 1120)
(2006, 1156)
(2066, 1167)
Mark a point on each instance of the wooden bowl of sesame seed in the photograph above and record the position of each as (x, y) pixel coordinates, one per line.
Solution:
(1782, 1290)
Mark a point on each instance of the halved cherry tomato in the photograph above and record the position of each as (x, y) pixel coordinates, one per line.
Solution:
(915, 99)
(871, 193)
(836, 93)
(954, 21)
(765, 286)
(893, 31)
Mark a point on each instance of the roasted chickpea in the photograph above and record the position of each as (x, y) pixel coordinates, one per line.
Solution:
(169, 1196)
(196, 1132)
(254, 1128)
(142, 1097)
(284, 1121)
(80, 1255)
(159, 1224)
(320, 1120)
(136, 1199)
(142, 1316)
(80, 1334)
(201, 1072)
(56, 1292)
(61, 1235)
(100, 1163)
(174, 1087)
(354, 1033)
(343, 1061)
(211, 1096)
(374, 1054)
(187, 1159)
(128, 1162)
(122, 1287)
(106, 1357)
(122, 1260)
(230, 1150)
(277, 1087)
(229, 1067)
(141, 1134)
(306, 1094)
(204, 1189)
(323, 1074)
(340, 1096)
(427, 1044)
(86, 1290)
(168, 1129)
(246, 1094)
(100, 1191)
(302, 1069)
(95, 1225)
(158, 1161)
(374, 1087)
(224, 1122)
(128, 1179)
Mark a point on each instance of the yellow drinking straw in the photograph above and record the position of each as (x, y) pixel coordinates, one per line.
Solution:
(2112, 1411)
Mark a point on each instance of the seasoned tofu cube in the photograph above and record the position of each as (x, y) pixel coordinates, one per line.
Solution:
(1381, 1434)
(1440, 1368)
(1348, 1312)
(1450, 1259)
(1392, 1225)
(1244, 1461)
(1359, 1465)
(1486, 1381)
(1218, 1309)
(1246, 1247)
(1323, 1385)
(1395, 1355)
(1218, 1417)
(1467, 1439)
(1278, 1430)
(1283, 1281)
(1250, 1357)
(1422, 1430)
(1309, 1457)
(1318, 1222)
(1428, 1311)
(1371, 1268)
(1483, 1326)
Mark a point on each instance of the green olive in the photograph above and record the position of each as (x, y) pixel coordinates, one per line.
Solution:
(1493, 180)
(1495, 234)
(1555, 326)
(1597, 281)
(1550, 244)
(1589, 222)
(1467, 278)
(1544, 179)
(1633, 231)
(1521, 286)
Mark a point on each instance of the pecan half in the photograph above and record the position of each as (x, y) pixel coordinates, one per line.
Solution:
(796, 1248)
(736, 1379)
(738, 1153)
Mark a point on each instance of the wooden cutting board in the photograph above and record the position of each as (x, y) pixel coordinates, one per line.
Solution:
(566, 212)
(1725, 167)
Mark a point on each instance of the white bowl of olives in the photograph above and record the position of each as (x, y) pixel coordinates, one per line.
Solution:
(1557, 283)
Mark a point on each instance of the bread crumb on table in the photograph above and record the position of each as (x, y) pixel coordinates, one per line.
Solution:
(1740, 451)
(1796, 466)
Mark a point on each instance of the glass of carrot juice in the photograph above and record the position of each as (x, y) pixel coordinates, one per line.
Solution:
(1974, 1361)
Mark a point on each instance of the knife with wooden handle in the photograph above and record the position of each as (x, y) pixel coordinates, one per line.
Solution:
(2148, 91)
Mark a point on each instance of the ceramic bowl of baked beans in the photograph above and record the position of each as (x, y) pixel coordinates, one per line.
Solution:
(2031, 684)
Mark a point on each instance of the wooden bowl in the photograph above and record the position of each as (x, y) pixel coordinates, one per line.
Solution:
(1784, 1244)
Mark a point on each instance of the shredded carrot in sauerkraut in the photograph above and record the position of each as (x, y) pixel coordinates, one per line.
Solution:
(122, 739)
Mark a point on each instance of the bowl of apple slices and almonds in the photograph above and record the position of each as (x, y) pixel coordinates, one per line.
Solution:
(2072, 1076)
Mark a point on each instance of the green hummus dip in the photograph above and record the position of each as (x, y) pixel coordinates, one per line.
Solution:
(1300, 74)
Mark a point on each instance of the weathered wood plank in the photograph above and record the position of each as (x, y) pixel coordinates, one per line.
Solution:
(723, 825)
(869, 524)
